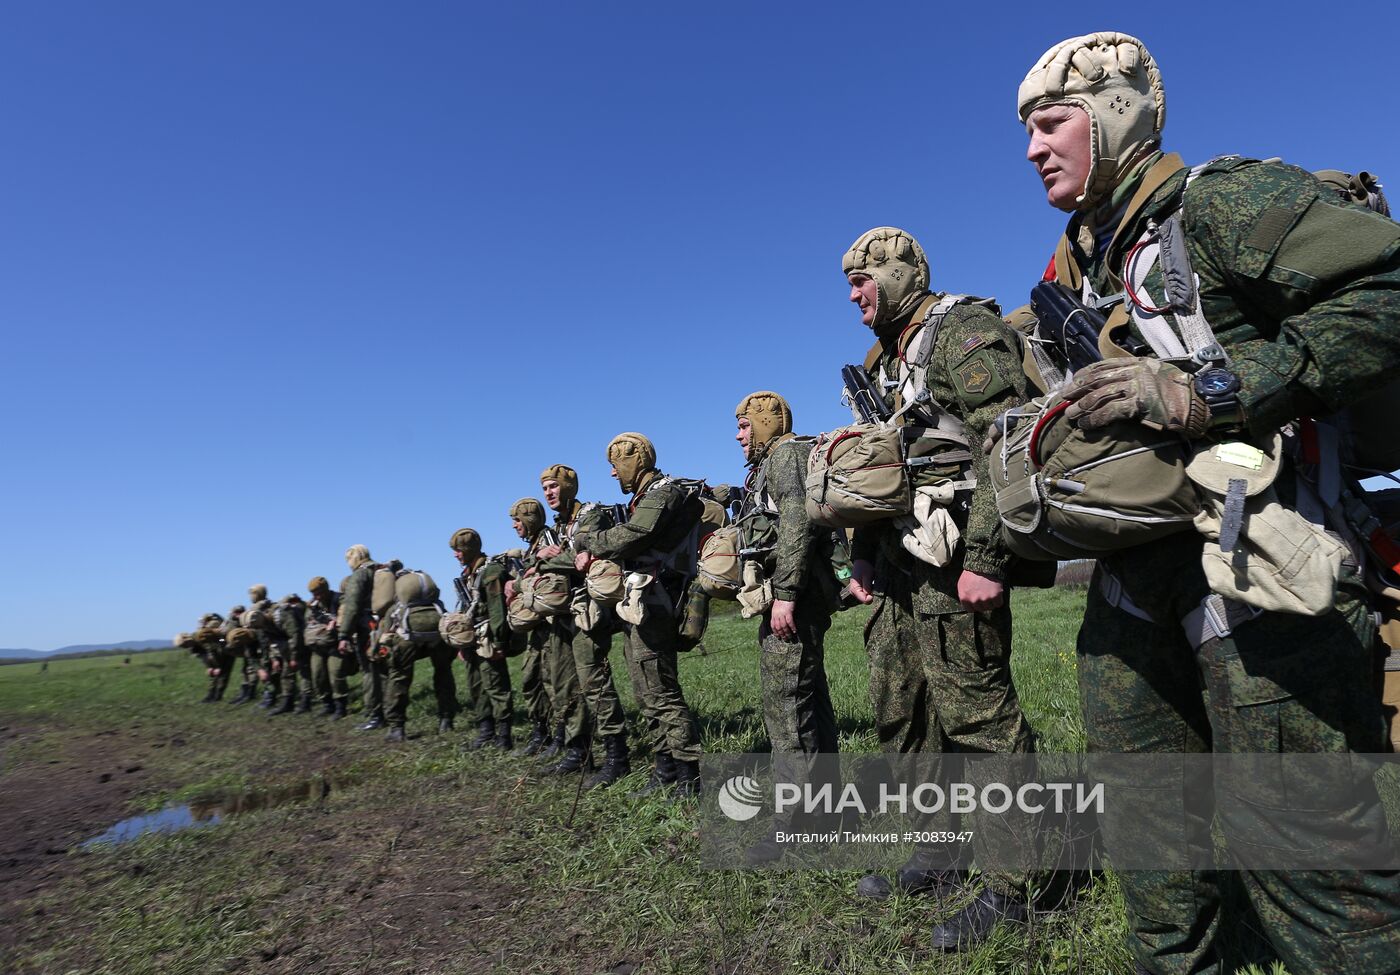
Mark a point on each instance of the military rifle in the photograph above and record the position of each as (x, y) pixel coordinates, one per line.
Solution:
(863, 397)
(1071, 328)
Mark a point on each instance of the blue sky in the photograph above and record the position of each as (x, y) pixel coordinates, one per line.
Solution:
(278, 278)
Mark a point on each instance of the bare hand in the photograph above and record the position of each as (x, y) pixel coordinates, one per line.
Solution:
(343, 646)
(582, 561)
(978, 593)
(780, 619)
(862, 581)
(510, 589)
(548, 552)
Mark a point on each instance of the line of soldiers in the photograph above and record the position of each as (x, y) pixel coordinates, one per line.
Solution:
(1303, 291)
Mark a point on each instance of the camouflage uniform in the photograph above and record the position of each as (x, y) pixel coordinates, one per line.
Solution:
(218, 659)
(249, 687)
(536, 663)
(484, 585)
(353, 624)
(662, 520)
(1280, 682)
(294, 664)
(403, 653)
(796, 558)
(327, 664)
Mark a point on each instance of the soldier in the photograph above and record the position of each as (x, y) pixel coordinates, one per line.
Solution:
(481, 594)
(248, 690)
(1303, 294)
(795, 557)
(586, 647)
(409, 633)
(656, 543)
(939, 640)
(289, 615)
(353, 621)
(258, 621)
(218, 660)
(327, 662)
(527, 519)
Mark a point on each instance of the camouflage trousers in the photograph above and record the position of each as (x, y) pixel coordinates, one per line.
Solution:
(249, 663)
(590, 657)
(328, 681)
(400, 679)
(1277, 683)
(941, 683)
(567, 704)
(374, 671)
(220, 662)
(650, 649)
(797, 710)
(535, 686)
(491, 678)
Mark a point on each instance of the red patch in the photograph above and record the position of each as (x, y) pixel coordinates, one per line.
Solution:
(976, 342)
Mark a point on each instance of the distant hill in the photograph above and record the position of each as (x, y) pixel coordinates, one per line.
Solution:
(131, 645)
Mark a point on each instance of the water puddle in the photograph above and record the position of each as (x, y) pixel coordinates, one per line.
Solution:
(207, 810)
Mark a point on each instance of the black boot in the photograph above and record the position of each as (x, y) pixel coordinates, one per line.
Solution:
(539, 734)
(245, 694)
(914, 880)
(555, 746)
(974, 923)
(485, 734)
(375, 722)
(688, 780)
(503, 740)
(210, 698)
(289, 704)
(444, 723)
(267, 699)
(663, 773)
(340, 711)
(327, 709)
(304, 705)
(615, 763)
(575, 757)
(395, 734)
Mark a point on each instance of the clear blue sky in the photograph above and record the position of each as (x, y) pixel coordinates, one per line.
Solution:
(276, 278)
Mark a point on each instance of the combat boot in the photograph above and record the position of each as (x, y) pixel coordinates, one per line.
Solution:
(555, 746)
(615, 763)
(340, 711)
(539, 734)
(375, 722)
(327, 709)
(304, 705)
(289, 704)
(575, 756)
(975, 922)
(395, 734)
(687, 780)
(663, 773)
(267, 699)
(444, 723)
(503, 739)
(209, 698)
(244, 695)
(485, 733)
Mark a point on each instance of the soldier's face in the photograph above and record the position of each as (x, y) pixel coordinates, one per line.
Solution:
(1061, 152)
(519, 527)
(865, 293)
(460, 556)
(745, 435)
(553, 494)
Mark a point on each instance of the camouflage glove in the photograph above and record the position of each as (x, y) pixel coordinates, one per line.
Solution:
(1154, 393)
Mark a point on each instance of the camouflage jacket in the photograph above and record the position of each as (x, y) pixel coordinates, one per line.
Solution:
(354, 612)
(774, 524)
(661, 517)
(486, 584)
(291, 621)
(975, 374)
(1301, 289)
(583, 518)
(324, 613)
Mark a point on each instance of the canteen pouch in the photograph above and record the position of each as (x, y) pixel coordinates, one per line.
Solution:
(605, 582)
(694, 618)
(641, 596)
(546, 593)
(1258, 551)
(756, 594)
(457, 631)
(521, 616)
(856, 475)
(1066, 493)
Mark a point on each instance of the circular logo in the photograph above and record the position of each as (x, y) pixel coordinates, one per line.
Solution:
(740, 798)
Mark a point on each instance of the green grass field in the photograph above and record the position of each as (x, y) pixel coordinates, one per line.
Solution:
(425, 858)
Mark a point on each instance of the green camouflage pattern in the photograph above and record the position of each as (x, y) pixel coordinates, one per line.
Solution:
(487, 579)
(535, 686)
(567, 706)
(401, 660)
(797, 710)
(975, 374)
(601, 701)
(328, 682)
(1304, 294)
(795, 552)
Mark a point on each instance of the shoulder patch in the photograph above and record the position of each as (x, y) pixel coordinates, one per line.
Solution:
(972, 344)
(975, 376)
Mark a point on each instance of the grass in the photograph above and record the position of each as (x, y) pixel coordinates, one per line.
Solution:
(434, 859)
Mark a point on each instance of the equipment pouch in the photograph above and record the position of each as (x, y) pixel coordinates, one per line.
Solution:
(930, 533)
(591, 616)
(756, 594)
(457, 631)
(642, 596)
(1257, 551)
(694, 618)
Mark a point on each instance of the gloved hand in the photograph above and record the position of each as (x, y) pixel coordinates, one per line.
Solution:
(1152, 392)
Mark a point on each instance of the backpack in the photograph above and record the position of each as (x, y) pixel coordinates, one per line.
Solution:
(382, 595)
(718, 569)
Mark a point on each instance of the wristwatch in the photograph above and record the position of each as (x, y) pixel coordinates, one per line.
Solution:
(1220, 388)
